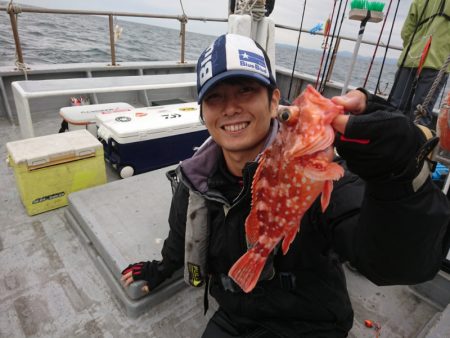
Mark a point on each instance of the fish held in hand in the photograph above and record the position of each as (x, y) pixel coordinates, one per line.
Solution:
(291, 174)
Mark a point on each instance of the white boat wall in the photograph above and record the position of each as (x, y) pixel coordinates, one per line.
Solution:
(60, 269)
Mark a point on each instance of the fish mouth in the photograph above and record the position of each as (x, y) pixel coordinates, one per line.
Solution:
(235, 127)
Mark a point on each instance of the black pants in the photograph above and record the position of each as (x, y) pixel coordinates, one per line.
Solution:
(402, 98)
(224, 325)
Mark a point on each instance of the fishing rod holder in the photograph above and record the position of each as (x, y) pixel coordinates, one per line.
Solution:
(364, 14)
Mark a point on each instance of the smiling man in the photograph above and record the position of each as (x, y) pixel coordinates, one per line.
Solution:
(390, 222)
(237, 114)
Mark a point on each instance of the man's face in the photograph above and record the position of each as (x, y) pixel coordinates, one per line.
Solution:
(237, 114)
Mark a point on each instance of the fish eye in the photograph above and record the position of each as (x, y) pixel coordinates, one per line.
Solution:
(284, 115)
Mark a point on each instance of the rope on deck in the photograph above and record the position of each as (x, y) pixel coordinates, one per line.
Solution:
(421, 110)
(255, 8)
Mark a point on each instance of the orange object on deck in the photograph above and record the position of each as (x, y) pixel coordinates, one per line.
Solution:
(368, 323)
(443, 127)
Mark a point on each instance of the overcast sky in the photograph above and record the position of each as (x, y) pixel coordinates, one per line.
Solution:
(286, 12)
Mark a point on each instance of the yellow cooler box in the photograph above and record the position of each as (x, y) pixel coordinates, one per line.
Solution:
(48, 168)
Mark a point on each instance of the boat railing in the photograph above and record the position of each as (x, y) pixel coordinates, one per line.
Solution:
(13, 10)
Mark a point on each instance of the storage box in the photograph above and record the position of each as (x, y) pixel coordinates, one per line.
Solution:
(149, 138)
(83, 117)
(48, 168)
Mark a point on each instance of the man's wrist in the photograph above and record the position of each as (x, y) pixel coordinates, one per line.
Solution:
(367, 96)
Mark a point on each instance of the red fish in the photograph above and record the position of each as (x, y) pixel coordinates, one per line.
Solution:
(291, 174)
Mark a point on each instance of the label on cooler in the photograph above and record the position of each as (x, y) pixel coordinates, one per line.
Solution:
(150, 122)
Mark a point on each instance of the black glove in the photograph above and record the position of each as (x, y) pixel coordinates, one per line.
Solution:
(383, 145)
(140, 271)
(152, 272)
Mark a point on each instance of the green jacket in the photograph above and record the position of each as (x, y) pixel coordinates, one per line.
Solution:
(437, 26)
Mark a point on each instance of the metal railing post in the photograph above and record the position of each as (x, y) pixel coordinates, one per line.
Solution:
(183, 21)
(13, 10)
(112, 43)
(12, 15)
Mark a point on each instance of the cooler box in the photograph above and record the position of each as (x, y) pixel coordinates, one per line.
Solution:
(83, 117)
(149, 138)
(48, 168)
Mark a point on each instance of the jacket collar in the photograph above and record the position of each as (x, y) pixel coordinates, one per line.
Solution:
(198, 168)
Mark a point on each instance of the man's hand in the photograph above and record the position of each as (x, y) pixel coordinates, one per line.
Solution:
(379, 145)
(353, 102)
(134, 272)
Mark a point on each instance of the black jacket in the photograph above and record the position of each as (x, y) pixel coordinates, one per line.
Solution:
(390, 237)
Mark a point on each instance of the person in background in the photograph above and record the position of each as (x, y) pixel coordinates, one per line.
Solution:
(425, 20)
(385, 215)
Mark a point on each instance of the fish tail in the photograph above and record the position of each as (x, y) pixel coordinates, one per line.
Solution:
(247, 269)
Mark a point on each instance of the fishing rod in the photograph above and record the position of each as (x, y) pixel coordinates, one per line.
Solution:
(335, 50)
(326, 68)
(296, 51)
(378, 42)
(326, 35)
(386, 49)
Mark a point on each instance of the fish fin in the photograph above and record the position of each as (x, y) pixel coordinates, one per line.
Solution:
(318, 144)
(247, 269)
(321, 170)
(326, 194)
(252, 228)
(288, 239)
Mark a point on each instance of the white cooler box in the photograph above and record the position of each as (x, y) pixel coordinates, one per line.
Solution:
(83, 117)
(150, 138)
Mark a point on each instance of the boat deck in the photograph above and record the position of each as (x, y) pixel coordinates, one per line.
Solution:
(50, 286)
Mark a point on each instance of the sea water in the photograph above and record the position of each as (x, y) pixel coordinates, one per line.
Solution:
(53, 39)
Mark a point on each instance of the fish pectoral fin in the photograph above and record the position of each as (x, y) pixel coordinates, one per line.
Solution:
(326, 194)
(334, 171)
(320, 170)
(320, 142)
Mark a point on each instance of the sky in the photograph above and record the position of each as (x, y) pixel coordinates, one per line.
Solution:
(286, 12)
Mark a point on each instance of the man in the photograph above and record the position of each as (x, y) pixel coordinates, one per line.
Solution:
(426, 20)
(391, 224)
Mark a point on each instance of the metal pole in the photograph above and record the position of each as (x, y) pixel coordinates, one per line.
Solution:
(376, 47)
(362, 27)
(112, 43)
(12, 17)
(183, 21)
